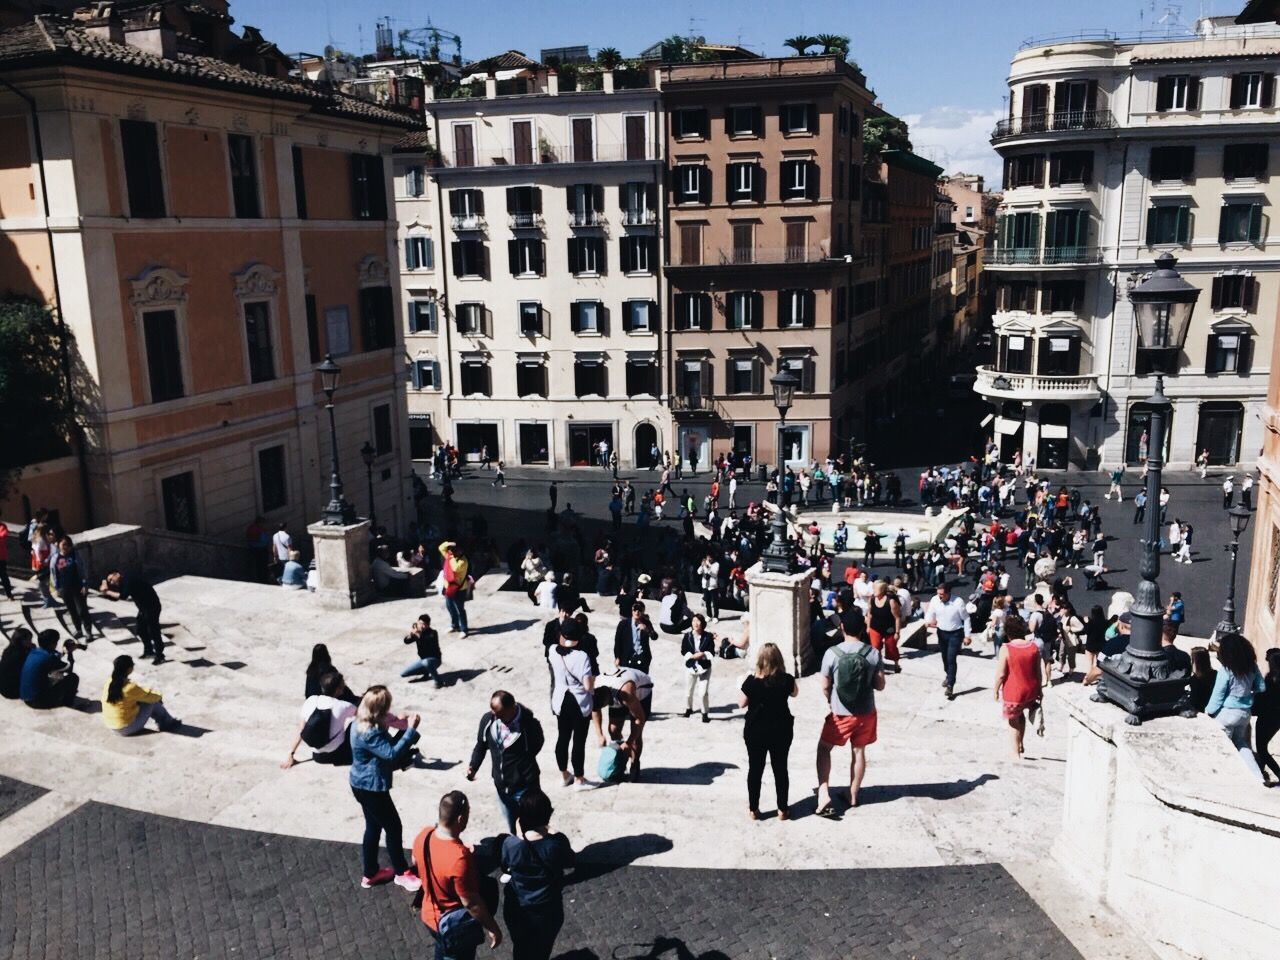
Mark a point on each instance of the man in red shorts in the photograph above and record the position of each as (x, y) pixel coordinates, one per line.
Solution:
(852, 672)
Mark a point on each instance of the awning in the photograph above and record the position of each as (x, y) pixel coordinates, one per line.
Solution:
(987, 419)
(499, 74)
(1053, 431)
(1006, 426)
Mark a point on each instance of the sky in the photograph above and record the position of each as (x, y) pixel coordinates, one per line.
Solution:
(941, 66)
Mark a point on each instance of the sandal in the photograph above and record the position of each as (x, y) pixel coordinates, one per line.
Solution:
(828, 812)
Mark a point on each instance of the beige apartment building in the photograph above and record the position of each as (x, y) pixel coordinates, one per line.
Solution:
(215, 228)
(764, 186)
(544, 341)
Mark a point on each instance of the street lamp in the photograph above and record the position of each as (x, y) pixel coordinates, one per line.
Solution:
(1144, 680)
(778, 556)
(340, 512)
(1239, 518)
(367, 454)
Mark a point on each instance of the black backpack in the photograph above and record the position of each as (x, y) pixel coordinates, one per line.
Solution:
(315, 732)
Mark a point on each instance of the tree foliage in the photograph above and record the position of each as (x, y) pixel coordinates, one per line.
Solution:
(37, 416)
(885, 133)
(800, 44)
(608, 57)
(677, 49)
(833, 43)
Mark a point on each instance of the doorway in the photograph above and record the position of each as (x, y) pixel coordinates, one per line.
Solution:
(535, 446)
(1009, 425)
(743, 443)
(584, 443)
(1219, 432)
(647, 453)
(793, 445)
(1138, 432)
(473, 437)
(1055, 430)
(694, 447)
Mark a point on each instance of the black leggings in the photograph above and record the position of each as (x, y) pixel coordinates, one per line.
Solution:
(78, 607)
(380, 816)
(1266, 729)
(775, 745)
(571, 725)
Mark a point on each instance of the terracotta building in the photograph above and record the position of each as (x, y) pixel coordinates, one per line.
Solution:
(762, 231)
(215, 228)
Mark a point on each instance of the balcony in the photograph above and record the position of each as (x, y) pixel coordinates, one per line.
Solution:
(545, 153)
(993, 383)
(1045, 256)
(1042, 123)
(587, 218)
(639, 218)
(525, 221)
(694, 405)
(468, 221)
(754, 256)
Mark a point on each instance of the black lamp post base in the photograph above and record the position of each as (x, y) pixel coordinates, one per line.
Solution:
(1145, 685)
(339, 513)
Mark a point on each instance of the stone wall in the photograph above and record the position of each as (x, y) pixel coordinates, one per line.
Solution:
(1169, 829)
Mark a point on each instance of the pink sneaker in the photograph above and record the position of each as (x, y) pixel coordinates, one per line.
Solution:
(409, 880)
(382, 876)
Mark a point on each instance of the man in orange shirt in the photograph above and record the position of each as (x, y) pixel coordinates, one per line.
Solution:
(452, 908)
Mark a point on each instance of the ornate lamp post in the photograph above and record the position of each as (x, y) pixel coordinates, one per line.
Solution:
(1239, 518)
(1143, 681)
(367, 454)
(778, 557)
(339, 512)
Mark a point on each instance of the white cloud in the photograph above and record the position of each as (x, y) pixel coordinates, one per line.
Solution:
(958, 140)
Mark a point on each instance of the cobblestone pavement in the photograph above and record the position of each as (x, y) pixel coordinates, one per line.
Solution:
(146, 886)
(15, 794)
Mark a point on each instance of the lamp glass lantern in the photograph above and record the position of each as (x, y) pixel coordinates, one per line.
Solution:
(1239, 518)
(330, 374)
(1162, 306)
(784, 385)
(367, 454)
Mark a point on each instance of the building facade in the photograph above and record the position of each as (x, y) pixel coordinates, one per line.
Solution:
(1115, 152)
(544, 338)
(215, 228)
(763, 198)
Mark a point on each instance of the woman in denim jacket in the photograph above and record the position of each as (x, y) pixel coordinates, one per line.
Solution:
(374, 755)
(1231, 701)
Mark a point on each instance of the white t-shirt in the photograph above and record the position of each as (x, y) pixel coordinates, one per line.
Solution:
(282, 543)
(340, 714)
(666, 607)
(545, 595)
(614, 679)
(567, 672)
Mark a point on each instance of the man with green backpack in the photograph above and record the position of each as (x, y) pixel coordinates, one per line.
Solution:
(851, 672)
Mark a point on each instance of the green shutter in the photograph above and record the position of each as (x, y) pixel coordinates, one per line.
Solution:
(1255, 223)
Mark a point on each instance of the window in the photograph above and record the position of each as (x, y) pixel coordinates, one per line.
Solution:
(743, 121)
(741, 375)
(299, 184)
(583, 130)
(1015, 355)
(586, 255)
(531, 378)
(689, 123)
(694, 379)
(466, 207)
(525, 257)
(469, 258)
(797, 233)
(337, 328)
(1168, 223)
(799, 180)
(464, 145)
(855, 181)
(636, 134)
(522, 141)
(143, 177)
(377, 318)
(585, 202)
(1273, 575)
(470, 319)
(1245, 161)
(744, 242)
(1074, 102)
(474, 379)
(742, 310)
(639, 202)
(1020, 231)
(795, 308)
(590, 377)
(415, 181)
(257, 335)
(744, 183)
(383, 437)
(368, 188)
(1173, 164)
(530, 313)
(524, 204)
(243, 176)
(178, 494)
(1059, 356)
(1240, 223)
(1069, 167)
(1234, 291)
(1179, 92)
(843, 118)
(1024, 171)
(639, 254)
(1035, 107)
(968, 214)
(273, 482)
(690, 244)
(693, 184)
(639, 316)
(419, 253)
(1061, 296)
(642, 377)
(164, 359)
(1252, 90)
(313, 329)
(1066, 234)
(865, 296)
(1227, 352)
(798, 118)
(802, 370)
(692, 311)
(586, 316)
(424, 375)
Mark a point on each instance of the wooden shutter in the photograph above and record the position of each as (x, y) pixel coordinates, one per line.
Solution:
(1244, 354)
(1037, 167)
(572, 254)
(409, 258)
(455, 257)
(1268, 89)
(575, 317)
(1060, 100)
(1164, 94)
(1182, 229)
(1255, 223)
(537, 257)
(597, 198)
(1238, 90)
(681, 306)
(513, 256)
(1216, 298)
(477, 199)
(651, 196)
(812, 110)
(511, 199)
(570, 194)
(414, 376)
(1222, 223)
(602, 254)
(626, 254)
(482, 260)
(704, 184)
(1050, 229)
(522, 142)
(455, 203)
(1193, 93)
(1213, 355)
(809, 302)
(1091, 96)
(1055, 169)
(1249, 299)
(757, 183)
(811, 186)
(755, 304)
(622, 197)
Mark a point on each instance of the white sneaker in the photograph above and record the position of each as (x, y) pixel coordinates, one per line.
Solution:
(585, 785)
(409, 881)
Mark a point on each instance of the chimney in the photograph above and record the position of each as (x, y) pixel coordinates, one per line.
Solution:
(153, 34)
(490, 87)
(100, 21)
(608, 81)
(553, 83)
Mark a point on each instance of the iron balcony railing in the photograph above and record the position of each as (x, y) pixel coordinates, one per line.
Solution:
(1045, 256)
(1053, 123)
(469, 221)
(639, 218)
(587, 218)
(693, 403)
(526, 221)
(548, 153)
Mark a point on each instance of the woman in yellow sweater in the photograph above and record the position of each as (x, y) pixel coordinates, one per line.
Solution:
(126, 707)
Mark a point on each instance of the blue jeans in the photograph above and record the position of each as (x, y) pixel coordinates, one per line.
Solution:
(949, 643)
(457, 608)
(1236, 725)
(509, 803)
(427, 667)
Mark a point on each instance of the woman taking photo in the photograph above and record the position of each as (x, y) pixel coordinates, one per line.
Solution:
(374, 755)
(535, 861)
(126, 707)
(698, 647)
(768, 727)
(1231, 701)
(1018, 676)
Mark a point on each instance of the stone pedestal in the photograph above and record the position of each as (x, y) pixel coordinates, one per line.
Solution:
(780, 615)
(342, 563)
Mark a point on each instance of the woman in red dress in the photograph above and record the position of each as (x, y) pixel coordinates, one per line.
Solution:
(1018, 675)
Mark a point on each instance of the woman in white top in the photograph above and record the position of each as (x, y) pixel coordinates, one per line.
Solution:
(545, 594)
(572, 685)
(533, 570)
(862, 591)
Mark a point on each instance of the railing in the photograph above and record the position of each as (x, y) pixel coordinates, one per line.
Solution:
(1054, 122)
(587, 218)
(639, 218)
(548, 153)
(526, 221)
(693, 403)
(1029, 386)
(469, 221)
(738, 256)
(1045, 256)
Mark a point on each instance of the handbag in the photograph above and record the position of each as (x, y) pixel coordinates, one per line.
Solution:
(457, 930)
